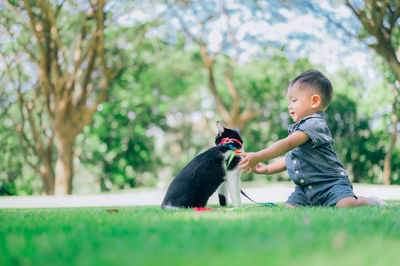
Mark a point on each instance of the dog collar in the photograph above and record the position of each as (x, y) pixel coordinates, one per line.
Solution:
(226, 142)
(229, 140)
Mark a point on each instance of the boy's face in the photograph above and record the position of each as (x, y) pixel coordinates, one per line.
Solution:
(301, 102)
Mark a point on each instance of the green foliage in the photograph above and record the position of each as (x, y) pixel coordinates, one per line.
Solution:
(253, 235)
(262, 84)
(357, 146)
(16, 178)
(10, 166)
(160, 112)
(124, 133)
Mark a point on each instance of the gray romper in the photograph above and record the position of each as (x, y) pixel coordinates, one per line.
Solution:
(320, 178)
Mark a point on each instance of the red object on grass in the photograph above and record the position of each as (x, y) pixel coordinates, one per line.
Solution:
(200, 209)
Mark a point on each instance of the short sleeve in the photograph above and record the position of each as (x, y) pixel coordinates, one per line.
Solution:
(317, 130)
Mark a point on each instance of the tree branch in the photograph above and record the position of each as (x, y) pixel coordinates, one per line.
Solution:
(31, 55)
(247, 115)
(208, 64)
(44, 63)
(22, 103)
(183, 25)
(100, 36)
(59, 6)
(395, 16)
(235, 96)
(382, 11)
(369, 24)
(35, 26)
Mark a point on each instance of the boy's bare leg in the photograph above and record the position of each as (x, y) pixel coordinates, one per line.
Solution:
(359, 201)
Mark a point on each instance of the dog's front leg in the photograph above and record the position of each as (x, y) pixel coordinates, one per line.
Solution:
(223, 194)
(233, 180)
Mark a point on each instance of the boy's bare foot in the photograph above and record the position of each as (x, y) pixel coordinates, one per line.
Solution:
(379, 202)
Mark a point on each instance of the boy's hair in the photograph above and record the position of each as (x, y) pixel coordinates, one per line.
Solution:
(317, 81)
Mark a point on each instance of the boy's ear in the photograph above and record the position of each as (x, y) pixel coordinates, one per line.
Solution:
(221, 128)
(315, 101)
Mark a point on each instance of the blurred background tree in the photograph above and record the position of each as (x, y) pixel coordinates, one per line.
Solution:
(146, 90)
(61, 69)
(381, 32)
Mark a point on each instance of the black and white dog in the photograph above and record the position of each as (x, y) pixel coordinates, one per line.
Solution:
(216, 168)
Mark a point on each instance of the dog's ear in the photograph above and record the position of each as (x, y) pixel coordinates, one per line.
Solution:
(237, 130)
(221, 128)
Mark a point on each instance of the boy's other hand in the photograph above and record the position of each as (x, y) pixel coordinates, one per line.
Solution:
(249, 162)
(261, 169)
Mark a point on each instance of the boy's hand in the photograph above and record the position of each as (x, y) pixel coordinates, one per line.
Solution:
(261, 169)
(249, 162)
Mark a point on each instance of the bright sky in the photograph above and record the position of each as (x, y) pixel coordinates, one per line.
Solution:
(319, 45)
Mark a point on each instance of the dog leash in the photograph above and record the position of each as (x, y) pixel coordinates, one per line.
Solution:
(264, 204)
(234, 151)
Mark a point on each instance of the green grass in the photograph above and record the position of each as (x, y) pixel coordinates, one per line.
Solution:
(254, 235)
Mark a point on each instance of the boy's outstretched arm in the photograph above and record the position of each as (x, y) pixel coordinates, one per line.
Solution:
(251, 159)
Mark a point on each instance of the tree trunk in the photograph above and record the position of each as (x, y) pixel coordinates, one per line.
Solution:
(64, 170)
(47, 176)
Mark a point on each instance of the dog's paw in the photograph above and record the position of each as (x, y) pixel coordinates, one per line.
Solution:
(222, 200)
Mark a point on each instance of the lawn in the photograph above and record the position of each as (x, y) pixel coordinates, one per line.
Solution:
(254, 235)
